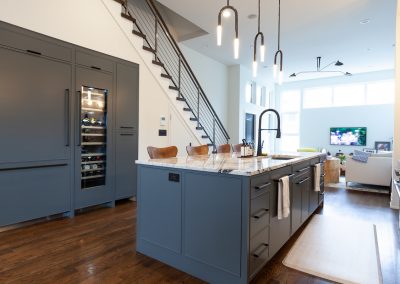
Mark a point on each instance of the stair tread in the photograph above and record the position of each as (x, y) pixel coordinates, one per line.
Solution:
(199, 128)
(187, 109)
(149, 49)
(142, 35)
(180, 99)
(173, 88)
(128, 17)
(205, 136)
(166, 76)
(158, 63)
(122, 2)
(193, 119)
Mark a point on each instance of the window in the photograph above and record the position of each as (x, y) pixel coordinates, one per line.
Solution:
(380, 93)
(248, 92)
(249, 127)
(349, 95)
(264, 98)
(317, 97)
(290, 102)
(290, 143)
(258, 96)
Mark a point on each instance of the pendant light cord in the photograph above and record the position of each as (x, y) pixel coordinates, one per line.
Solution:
(259, 14)
(279, 26)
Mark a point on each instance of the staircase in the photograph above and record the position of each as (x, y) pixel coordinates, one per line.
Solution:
(149, 25)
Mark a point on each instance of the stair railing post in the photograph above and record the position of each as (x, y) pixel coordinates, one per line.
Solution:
(179, 75)
(214, 147)
(198, 107)
(155, 37)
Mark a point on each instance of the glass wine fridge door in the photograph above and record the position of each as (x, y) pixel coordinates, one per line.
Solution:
(93, 138)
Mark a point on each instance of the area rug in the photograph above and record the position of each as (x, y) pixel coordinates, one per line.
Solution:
(339, 250)
(359, 186)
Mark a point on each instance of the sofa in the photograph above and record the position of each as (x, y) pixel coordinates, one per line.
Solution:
(377, 171)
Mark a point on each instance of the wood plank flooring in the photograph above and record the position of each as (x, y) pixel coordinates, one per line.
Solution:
(99, 247)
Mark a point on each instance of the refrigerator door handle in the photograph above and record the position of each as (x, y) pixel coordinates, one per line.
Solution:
(78, 121)
(67, 117)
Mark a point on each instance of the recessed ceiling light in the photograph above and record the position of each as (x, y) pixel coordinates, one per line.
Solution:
(252, 16)
(365, 21)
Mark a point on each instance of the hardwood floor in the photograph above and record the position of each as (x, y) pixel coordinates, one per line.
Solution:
(99, 247)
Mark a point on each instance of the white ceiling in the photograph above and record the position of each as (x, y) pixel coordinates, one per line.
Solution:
(309, 28)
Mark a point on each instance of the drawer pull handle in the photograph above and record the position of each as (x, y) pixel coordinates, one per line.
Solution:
(302, 170)
(303, 181)
(260, 214)
(290, 176)
(265, 185)
(126, 134)
(260, 250)
(322, 193)
(126, 127)
(95, 67)
(33, 52)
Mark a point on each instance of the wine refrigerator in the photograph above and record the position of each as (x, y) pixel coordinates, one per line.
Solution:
(93, 136)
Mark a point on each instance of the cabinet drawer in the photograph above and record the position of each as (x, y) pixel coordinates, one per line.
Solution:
(301, 168)
(33, 45)
(32, 193)
(259, 218)
(94, 62)
(259, 251)
(260, 184)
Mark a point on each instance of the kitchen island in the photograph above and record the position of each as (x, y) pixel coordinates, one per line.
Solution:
(215, 216)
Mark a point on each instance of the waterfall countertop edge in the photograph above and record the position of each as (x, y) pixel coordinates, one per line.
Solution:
(231, 163)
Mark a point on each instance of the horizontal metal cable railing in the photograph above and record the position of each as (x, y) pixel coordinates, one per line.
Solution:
(158, 38)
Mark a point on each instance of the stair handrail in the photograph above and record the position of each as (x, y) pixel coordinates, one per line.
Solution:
(179, 53)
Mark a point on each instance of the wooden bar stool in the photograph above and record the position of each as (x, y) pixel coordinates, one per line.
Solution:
(162, 153)
(224, 148)
(236, 148)
(197, 150)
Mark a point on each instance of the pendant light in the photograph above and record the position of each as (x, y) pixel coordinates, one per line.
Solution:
(323, 69)
(225, 12)
(262, 47)
(279, 52)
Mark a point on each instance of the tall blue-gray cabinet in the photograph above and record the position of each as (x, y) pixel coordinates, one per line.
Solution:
(35, 128)
(126, 130)
(58, 110)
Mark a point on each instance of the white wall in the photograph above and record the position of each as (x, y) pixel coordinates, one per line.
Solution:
(315, 124)
(213, 78)
(239, 77)
(72, 21)
(234, 104)
(395, 203)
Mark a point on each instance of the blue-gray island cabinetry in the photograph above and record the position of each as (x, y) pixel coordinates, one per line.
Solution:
(215, 217)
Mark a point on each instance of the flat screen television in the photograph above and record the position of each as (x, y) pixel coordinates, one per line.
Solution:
(349, 136)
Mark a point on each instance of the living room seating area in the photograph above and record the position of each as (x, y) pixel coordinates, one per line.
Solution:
(376, 171)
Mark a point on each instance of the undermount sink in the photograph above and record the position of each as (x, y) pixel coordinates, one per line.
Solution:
(283, 157)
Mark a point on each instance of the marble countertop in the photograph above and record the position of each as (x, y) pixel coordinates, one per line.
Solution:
(230, 163)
